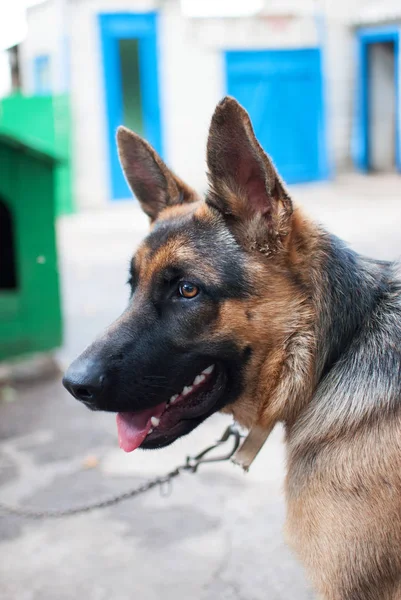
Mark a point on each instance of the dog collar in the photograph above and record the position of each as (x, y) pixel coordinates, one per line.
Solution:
(250, 448)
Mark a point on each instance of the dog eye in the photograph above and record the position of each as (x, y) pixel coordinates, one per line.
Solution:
(188, 290)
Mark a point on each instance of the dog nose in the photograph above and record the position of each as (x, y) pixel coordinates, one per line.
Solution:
(85, 380)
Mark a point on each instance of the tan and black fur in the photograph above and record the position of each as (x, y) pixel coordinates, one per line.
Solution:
(302, 330)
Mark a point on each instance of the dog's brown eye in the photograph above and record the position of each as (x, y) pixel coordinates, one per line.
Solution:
(188, 290)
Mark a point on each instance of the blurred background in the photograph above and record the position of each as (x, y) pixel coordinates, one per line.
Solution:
(321, 81)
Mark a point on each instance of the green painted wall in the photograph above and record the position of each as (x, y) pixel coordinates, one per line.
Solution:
(44, 120)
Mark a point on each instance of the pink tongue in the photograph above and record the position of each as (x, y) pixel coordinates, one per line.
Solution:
(133, 427)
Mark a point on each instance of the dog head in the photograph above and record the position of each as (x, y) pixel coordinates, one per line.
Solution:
(213, 297)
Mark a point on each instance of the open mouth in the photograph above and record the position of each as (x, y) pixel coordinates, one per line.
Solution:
(159, 426)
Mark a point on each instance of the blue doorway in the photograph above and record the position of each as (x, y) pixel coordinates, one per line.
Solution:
(283, 92)
(369, 42)
(130, 72)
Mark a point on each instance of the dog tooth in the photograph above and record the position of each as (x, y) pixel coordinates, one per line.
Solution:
(186, 390)
(199, 379)
(173, 398)
(155, 421)
(150, 430)
(208, 370)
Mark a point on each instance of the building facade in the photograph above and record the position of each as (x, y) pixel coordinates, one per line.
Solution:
(320, 80)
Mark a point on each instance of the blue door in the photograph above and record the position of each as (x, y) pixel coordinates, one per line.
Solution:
(130, 69)
(282, 91)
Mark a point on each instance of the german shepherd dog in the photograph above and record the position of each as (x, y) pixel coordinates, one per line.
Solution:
(240, 303)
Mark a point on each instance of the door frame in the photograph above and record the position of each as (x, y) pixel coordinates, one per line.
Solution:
(144, 27)
(360, 142)
(324, 170)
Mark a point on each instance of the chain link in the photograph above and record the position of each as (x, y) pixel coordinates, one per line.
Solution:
(191, 465)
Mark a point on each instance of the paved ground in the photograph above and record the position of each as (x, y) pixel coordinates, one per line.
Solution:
(219, 535)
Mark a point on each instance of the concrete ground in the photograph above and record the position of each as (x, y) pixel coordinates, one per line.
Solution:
(220, 533)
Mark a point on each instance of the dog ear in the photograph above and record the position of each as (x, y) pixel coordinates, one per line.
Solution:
(244, 185)
(153, 184)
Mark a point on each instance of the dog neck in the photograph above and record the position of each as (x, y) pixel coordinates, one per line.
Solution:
(346, 290)
(342, 289)
(350, 288)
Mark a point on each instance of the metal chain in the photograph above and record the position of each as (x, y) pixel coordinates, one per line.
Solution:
(191, 465)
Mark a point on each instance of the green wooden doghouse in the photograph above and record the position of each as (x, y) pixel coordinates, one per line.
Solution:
(30, 313)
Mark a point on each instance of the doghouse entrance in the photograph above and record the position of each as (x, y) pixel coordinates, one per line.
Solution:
(8, 263)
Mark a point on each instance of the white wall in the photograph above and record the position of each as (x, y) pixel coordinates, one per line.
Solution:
(41, 39)
(339, 68)
(192, 80)
(191, 85)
